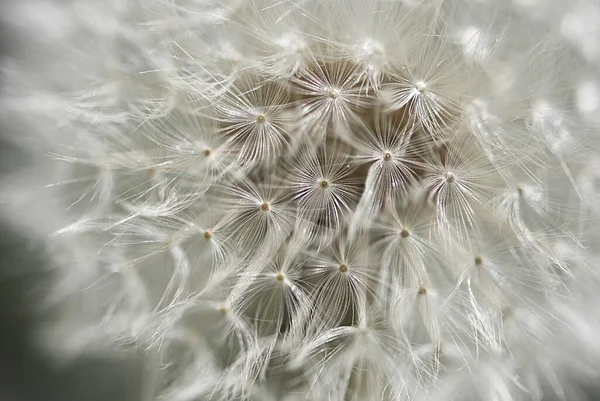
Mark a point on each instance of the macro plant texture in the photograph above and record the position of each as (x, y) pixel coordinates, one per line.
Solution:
(321, 200)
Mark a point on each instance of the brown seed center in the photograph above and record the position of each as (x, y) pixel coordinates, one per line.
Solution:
(404, 233)
(265, 207)
(343, 268)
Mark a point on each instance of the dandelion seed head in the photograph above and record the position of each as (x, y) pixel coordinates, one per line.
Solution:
(318, 200)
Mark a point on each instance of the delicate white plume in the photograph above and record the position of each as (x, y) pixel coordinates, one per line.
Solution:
(315, 199)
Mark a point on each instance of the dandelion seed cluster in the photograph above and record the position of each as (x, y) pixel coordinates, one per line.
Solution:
(319, 199)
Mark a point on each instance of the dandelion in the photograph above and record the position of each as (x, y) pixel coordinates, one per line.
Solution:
(391, 151)
(383, 200)
(255, 120)
(459, 181)
(259, 217)
(330, 98)
(343, 282)
(322, 186)
(404, 238)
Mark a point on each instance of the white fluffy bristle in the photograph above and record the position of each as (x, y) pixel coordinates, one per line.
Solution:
(319, 199)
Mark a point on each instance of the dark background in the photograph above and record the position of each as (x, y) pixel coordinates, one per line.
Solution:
(24, 374)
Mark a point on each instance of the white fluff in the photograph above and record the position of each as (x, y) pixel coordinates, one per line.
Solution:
(315, 199)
